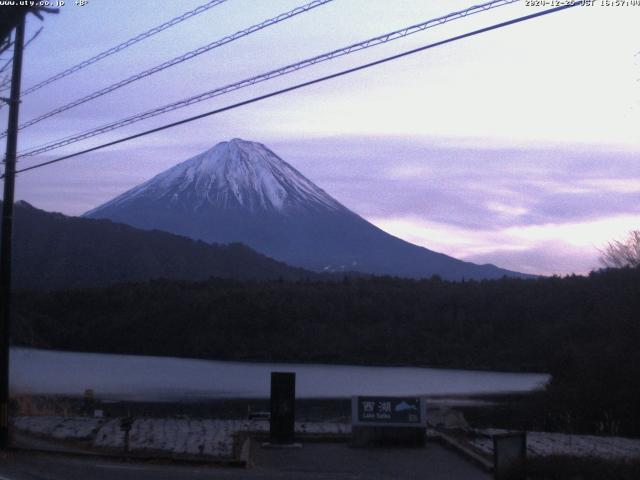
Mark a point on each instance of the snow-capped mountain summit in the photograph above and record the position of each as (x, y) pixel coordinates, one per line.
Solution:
(232, 175)
(240, 191)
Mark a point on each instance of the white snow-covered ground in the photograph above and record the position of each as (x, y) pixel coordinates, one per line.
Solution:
(215, 438)
(210, 438)
(128, 377)
(68, 428)
(545, 444)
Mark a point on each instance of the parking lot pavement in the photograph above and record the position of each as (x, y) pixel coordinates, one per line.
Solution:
(339, 461)
(317, 461)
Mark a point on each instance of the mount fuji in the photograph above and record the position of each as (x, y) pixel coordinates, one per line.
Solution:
(240, 191)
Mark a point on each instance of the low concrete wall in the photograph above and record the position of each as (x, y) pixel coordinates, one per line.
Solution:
(369, 436)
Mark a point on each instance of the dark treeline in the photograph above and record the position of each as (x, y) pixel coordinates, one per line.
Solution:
(583, 330)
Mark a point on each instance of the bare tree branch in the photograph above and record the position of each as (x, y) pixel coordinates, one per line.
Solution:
(622, 253)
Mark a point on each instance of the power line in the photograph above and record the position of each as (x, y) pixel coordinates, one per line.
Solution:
(305, 84)
(387, 37)
(6, 45)
(174, 61)
(125, 44)
(26, 44)
(5, 66)
(5, 84)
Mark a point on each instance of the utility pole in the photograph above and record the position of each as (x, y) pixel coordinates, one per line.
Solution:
(6, 231)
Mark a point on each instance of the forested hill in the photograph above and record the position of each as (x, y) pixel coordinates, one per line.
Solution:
(51, 250)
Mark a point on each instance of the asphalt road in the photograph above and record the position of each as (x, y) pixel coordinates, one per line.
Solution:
(312, 461)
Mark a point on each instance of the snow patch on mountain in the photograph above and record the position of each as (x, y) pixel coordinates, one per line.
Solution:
(234, 174)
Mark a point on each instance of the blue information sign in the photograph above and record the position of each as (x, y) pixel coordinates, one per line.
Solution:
(392, 411)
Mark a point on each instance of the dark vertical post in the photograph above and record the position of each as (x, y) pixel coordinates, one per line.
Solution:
(88, 404)
(509, 456)
(283, 411)
(6, 231)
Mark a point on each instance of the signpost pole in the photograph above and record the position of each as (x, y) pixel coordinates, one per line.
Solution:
(283, 402)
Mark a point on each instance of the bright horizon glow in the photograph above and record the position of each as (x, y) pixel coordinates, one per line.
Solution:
(582, 239)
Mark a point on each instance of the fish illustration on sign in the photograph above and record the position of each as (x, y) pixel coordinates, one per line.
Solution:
(404, 406)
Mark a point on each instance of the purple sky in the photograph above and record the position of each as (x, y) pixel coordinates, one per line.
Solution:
(519, 148)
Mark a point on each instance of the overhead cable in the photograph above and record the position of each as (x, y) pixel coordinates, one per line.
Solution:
(387, 37)
(125, 44)
(304, 84)
(174, 61)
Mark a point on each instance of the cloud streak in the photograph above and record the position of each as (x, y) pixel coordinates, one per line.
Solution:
(539, 210)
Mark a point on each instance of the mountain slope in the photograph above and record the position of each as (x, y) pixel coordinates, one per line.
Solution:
(52, 250)
(242, 191)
